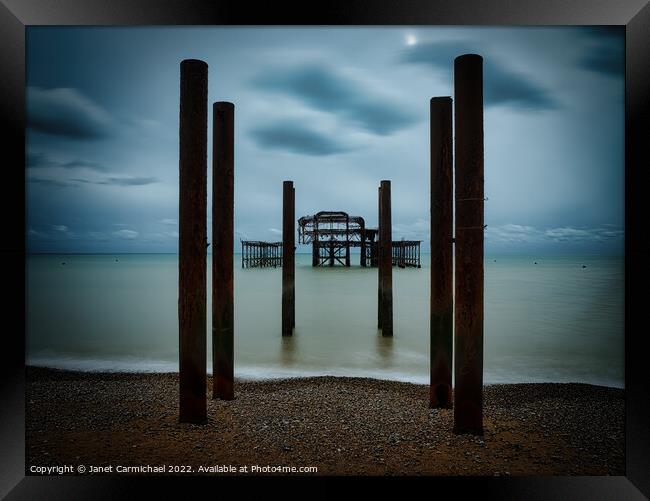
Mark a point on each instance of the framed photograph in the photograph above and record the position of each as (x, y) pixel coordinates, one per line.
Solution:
(363, 240)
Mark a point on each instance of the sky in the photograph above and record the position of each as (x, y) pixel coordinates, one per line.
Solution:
(335, 110)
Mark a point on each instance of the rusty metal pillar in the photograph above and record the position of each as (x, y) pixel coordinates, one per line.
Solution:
(386, 261)
(347, 241)
(468, 394)
(441, 306)
(192, 248)
(362, 261)
(288, 264)
(223, 159)
(315, 252)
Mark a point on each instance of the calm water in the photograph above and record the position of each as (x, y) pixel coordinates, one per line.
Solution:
(554, 321)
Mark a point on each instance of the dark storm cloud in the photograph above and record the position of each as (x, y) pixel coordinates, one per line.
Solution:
(607, 60)
(39, 161)
(502, 86)
(120, 181)
(602, 33)
(84, 164)
(327, 90)
(113, 181)
(605, 50)
(67, 112)
(296, 138)
(50, 183)
(43, 161)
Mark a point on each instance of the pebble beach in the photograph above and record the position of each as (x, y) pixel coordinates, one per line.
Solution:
(330, 425)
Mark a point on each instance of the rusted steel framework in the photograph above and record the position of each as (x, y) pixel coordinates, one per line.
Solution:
(255, 254)
(333, 233)
(406, 253)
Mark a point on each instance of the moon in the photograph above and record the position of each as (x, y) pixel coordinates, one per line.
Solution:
(411, 40)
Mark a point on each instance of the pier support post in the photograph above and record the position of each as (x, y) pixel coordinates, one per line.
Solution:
(223, 143)
(468, 393)
(293, 257)
(192, 248)
(288, 257)
(386, 261)
(377, 254)
(441, 307)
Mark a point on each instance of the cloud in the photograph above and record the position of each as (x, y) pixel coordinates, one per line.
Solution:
(83, 164)
(119, 181)
(169, 222)
(501, 85)
(325, 89)
(126, 234)
(37, 234)
(606, 60)
(98, 235)
(38, 160)
(419, 229)
(297, 138)
(602, 33)
(67, 112)
(569, 234)
(515, 233)
(53, 183)
(275, 231)
(52, 232)
(76, 181)
(129, 181)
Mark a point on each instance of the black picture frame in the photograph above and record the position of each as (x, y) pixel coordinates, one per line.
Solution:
(16, 15)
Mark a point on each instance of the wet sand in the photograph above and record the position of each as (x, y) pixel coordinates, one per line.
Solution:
(341, 426)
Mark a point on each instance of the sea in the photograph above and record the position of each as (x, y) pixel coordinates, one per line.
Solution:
(547, 318)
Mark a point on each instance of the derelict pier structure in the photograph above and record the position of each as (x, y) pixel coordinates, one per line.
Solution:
(333, 233)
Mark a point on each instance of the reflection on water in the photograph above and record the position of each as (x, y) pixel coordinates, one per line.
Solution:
(289, 350)
(384, 350)
(554, 321)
